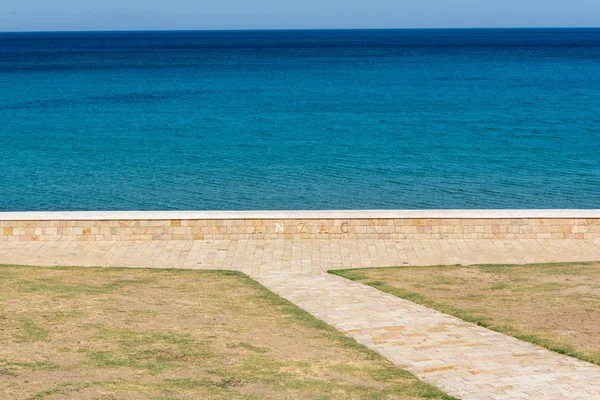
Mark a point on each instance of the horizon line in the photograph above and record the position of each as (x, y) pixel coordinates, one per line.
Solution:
(304, 29)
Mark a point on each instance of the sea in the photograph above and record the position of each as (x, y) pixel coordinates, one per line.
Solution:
(307, 119)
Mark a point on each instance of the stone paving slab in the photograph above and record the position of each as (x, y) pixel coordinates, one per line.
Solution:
(316, 256)
(463, 359)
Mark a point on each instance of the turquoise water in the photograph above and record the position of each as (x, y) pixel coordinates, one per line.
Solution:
(300, 120)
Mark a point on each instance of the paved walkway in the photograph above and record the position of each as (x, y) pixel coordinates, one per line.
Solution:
(465, 360)
(315, 256)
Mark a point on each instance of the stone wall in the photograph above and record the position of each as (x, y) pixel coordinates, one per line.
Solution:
(123, 226)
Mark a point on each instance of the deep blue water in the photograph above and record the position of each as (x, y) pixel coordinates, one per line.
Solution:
(300, 120)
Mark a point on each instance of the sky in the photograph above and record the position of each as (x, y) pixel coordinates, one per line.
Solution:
(67, 15)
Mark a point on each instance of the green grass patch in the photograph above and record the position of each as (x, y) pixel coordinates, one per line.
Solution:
(30, 332)
(152, 351)
(500, 286)
(247, 346)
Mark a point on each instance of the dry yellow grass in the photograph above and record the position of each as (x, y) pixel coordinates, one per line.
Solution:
(75, 333)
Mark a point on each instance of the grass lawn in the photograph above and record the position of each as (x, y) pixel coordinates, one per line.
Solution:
(103, 334)
(553, 305)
